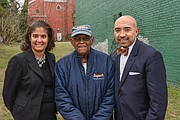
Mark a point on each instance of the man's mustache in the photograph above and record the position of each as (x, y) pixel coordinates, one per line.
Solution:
(119, 39)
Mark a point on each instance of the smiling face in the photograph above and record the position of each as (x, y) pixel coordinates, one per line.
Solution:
(125, 31)
(39, 40)
(82, 43)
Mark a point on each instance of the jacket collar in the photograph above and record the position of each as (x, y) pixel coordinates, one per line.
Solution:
(33, 63)
(90, 59)
(89, 56)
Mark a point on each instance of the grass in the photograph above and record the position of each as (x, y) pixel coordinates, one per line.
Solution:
(61, 49)
(7, 51)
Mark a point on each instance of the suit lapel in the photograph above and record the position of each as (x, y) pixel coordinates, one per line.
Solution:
(117, 71)
(130, 62)
(33, 63)
(127, 69)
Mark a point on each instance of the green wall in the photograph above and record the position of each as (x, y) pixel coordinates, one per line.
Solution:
(158, 20)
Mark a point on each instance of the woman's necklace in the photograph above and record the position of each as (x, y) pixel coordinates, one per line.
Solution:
(41, 61)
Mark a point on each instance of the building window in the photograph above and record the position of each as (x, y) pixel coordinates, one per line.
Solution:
(120, 14)
(116, 16)
(58, 7)
(37, 11)
(59, 36)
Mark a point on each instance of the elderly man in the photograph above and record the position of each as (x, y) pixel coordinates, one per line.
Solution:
(84, 80)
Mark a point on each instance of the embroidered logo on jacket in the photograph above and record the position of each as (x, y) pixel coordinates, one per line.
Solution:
(98, 76)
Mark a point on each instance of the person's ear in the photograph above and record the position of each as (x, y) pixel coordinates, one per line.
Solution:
(92, 39)
(137, 31)
(72, 41)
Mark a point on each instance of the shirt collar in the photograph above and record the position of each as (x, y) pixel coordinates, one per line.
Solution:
(131, 47)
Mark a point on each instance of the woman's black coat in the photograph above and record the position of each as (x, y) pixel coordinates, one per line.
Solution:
(24, 85)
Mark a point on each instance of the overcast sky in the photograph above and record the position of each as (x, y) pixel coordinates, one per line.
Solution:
(20, 1)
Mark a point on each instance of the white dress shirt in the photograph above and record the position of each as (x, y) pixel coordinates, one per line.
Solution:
(85, 66)
(123, 60)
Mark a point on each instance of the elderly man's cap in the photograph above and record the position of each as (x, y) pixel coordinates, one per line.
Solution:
(81, 29)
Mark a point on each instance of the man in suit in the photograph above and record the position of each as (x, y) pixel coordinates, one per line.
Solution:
(140, 76)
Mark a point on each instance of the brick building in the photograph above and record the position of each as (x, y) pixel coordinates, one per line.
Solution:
(60, 14)
(158, 20)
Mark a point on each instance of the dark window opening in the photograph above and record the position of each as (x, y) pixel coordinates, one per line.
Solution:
(58, 7)
(37, 11)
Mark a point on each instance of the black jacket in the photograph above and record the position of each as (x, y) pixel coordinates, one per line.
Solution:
(142, 92)
(24, 85)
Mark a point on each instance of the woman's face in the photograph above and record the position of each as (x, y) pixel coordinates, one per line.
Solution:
(39, 40)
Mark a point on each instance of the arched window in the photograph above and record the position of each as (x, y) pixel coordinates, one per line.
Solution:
(58, 7)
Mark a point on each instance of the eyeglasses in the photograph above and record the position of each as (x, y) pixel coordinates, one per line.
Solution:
(85, 39)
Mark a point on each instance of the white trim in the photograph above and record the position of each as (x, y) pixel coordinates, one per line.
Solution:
(55, 0)
(31, 1)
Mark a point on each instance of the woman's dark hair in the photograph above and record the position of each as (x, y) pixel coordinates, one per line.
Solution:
(26, 44)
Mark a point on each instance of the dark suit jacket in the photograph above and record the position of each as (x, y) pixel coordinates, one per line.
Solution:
(24, 85)
(142, 92)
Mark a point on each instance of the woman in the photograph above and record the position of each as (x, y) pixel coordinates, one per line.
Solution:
(28, 90)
